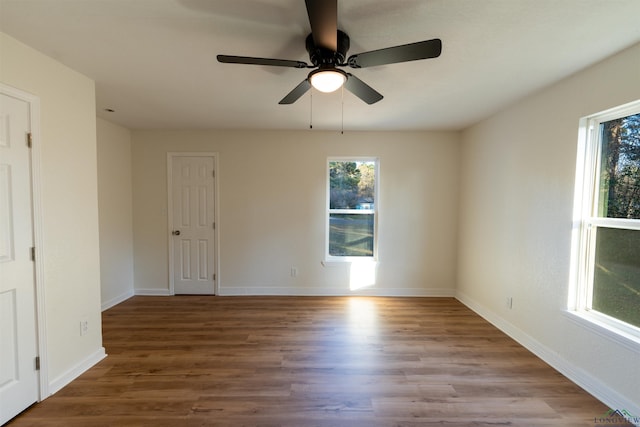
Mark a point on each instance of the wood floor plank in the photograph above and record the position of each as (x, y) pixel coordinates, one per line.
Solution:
(311, 361)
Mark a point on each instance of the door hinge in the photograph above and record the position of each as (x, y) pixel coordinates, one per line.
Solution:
(214, 225)
(213, 172)
(29, 139)
(214, 277)
(37, 363)
(33, 253)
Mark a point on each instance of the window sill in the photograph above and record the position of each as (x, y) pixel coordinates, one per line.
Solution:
(605, 330)
(337, 262)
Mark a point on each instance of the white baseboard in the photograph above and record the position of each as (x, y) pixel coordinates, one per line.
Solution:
(152, 292)
(58, 383)
(117, 300)
(327, 291)
(592, 385)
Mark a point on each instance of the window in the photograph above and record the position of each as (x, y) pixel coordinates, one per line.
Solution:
(352, 207)
(607, 268)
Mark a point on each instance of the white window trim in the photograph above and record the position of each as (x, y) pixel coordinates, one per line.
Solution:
(584, 220)
(332, 259)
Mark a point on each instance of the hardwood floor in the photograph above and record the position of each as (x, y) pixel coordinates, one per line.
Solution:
(311, 361)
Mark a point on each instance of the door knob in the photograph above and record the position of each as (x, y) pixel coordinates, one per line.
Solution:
(176, 232)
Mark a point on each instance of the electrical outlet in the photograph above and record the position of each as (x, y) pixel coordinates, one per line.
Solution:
(509, 302)
(294, 272)
(84, 327)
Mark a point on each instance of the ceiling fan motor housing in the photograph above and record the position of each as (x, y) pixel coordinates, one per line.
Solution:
(321, 56)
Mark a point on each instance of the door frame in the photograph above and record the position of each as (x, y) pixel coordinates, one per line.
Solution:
(36, 206)
(216, 214)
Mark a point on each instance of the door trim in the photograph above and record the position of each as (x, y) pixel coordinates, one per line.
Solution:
(216, 213)
(36, 204)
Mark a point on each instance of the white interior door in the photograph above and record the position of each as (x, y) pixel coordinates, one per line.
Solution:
(193, 224)
(18, 339)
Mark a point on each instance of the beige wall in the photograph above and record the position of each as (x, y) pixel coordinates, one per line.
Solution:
(517, 182)
(69, 205)
(116, 213)
(272, 195)
(510, 182)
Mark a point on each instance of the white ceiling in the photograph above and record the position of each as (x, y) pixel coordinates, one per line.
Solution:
(154, 61)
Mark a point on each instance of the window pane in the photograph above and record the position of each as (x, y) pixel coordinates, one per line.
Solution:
(620, 168)
(616, 287)
(351, 235)
(351, 185)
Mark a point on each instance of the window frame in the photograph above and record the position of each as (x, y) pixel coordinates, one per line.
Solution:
(375, 211)
(586, 221)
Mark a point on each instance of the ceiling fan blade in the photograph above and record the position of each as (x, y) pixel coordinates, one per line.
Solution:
(296, 93)
(362, 90)
(392, 55)
(323, 17)
(228, 59)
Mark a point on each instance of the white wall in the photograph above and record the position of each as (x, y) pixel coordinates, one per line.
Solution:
(116, 213)
(517, 180)
(272, 209)
(69, 205)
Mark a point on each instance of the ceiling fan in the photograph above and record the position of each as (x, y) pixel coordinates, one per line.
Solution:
(328, 46)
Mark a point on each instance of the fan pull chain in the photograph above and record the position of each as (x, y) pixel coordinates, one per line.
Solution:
(342, 118)
(311, 108)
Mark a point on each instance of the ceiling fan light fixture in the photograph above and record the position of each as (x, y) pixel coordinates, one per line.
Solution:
(327, 79)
